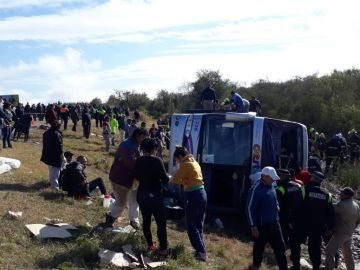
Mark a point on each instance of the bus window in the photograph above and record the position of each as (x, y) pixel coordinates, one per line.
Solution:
(227, 143)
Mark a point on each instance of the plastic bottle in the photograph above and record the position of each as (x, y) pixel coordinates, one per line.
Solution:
(107, 201)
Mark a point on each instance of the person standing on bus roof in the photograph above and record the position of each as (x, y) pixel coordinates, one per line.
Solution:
(237, 100)
(208, 98)
(255, 105)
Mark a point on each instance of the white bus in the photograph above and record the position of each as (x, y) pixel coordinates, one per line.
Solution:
(232, 146)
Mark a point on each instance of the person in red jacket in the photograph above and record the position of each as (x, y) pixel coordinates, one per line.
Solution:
(50, 115)
(302, 175)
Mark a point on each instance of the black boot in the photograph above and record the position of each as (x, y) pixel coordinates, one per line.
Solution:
(109, 222)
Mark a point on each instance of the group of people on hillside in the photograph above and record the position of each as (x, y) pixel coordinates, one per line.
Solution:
(137, 179)
(14, 122)
(284, 212)
(113, 121)
(235, 103)
(336, 149)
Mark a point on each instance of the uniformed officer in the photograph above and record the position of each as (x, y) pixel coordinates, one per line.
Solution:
(290, 197)
(318, 216)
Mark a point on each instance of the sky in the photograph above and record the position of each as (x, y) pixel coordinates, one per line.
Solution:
(75, 50)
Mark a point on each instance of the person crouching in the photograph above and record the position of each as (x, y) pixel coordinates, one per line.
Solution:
(74, 180)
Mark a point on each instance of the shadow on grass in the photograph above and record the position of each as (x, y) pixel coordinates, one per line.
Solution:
(53, 196)
(74, 136)
(82, 255)
(24, 188)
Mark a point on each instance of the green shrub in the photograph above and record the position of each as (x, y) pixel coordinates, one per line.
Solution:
(349, 176)
(88, 250)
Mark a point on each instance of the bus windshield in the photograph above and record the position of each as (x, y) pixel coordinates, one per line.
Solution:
(226, 142)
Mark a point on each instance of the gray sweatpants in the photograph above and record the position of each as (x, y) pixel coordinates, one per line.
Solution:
(54, 173)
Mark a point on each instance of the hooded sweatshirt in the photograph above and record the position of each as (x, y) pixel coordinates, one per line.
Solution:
(189, 174)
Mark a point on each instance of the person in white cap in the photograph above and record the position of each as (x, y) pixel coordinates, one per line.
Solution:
(262, 211)
(347, 217)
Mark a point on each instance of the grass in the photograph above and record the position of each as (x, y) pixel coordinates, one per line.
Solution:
(27, 189)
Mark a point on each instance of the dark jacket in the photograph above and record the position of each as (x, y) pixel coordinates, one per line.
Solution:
(86, 119)
(73, 178)
(290, 197)
(318, 208)
(52, 152)
(151, 174)
(208, 94)
(122, 169)
(255, 105)
(50, 116)
(74, 115)
(262, 205)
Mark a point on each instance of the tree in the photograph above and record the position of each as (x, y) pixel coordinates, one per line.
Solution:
(96, 101)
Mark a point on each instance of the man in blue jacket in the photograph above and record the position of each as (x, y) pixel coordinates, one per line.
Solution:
(262, 212)
(237, 100)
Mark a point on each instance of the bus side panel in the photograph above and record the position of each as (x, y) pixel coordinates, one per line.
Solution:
(257, 144)
(178, 123)
(192, 138)
(305, 147)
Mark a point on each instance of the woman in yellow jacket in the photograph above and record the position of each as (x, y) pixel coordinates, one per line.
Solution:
(190, 177)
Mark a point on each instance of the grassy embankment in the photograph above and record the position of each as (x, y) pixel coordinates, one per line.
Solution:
(27, 190)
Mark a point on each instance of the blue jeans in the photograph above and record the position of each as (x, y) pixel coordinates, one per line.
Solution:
(195, 208)
(6, 132)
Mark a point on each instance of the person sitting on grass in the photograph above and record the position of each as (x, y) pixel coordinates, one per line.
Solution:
(74, 180)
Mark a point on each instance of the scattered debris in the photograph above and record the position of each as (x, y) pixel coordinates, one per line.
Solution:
(88, 202)
(52, 220)
(126, 229)
(87, 224)
(156, 264)
(115, 258)
(128, 250)
(218, 224)
(304, 264)
(142, 261)
(13, 163)
(14, 215)
(59, 230)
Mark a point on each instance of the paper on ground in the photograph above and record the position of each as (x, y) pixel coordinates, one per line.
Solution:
(128, 250)
(45, 231)
(156, 264)
(13, 163)
(304, 264)
(14, 215)
(115, 258)
(4, 168)
(126, 229)
(66, 226)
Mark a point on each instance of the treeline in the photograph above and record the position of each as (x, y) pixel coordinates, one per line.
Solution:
(328, 103)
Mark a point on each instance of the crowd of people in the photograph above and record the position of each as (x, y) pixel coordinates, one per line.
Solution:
(285, 207)
(137, 178)
(235, 103)
(338, 149)
(284, 212)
